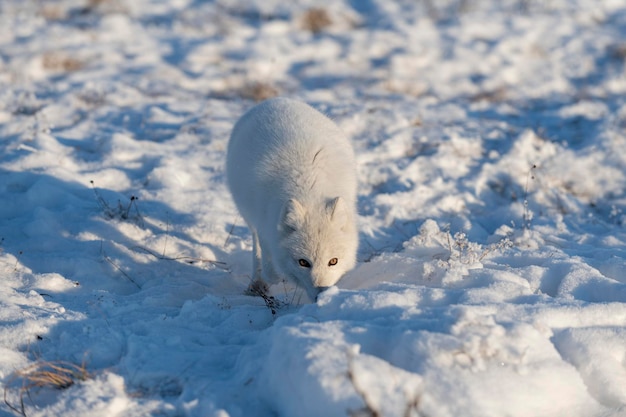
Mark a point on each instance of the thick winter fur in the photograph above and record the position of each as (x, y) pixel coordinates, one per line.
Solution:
(292, 174)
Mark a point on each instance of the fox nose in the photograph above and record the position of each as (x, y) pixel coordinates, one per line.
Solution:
(319, 291)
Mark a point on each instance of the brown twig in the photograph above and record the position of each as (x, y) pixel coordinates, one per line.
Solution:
(187, 259)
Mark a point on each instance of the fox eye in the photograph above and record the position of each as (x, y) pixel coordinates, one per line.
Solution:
(304, 263)
(333, 262)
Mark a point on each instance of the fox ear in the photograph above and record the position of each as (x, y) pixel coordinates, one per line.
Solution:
(292, 216)
(337, 211)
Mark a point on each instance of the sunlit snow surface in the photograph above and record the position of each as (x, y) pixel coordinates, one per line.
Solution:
(491, 143)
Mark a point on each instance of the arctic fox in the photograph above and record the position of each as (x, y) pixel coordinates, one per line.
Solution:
(292, 175)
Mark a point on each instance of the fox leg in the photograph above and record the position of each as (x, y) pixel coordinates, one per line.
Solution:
(268, 272)
(257, 286)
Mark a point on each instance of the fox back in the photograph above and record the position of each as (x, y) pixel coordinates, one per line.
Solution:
(291, 172)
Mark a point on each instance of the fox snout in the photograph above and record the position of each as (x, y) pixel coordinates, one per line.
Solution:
(319, 291)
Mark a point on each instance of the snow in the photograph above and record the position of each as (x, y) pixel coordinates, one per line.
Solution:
(491, 147)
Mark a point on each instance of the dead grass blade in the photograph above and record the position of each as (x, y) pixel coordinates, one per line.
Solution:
(57, 375)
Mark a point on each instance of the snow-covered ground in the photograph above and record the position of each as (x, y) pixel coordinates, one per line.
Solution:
(491, 142)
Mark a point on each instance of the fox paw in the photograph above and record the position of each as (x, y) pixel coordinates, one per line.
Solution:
(258, 288)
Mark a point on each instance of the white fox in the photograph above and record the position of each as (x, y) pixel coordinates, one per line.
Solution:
(292, 175)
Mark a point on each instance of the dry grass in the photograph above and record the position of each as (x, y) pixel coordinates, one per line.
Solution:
(492, 96)
(316, 19)
(258, 91)
(51, 12)
(57, 375)
(97, 3)
(105, 6)
(617, 51)
(59, 62)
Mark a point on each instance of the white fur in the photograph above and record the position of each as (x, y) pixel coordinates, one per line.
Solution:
(292, 174)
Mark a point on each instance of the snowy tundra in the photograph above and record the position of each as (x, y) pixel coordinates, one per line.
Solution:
(292, 174)
(490, 146)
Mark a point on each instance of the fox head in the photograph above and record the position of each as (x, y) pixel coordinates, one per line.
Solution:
(317, 244)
